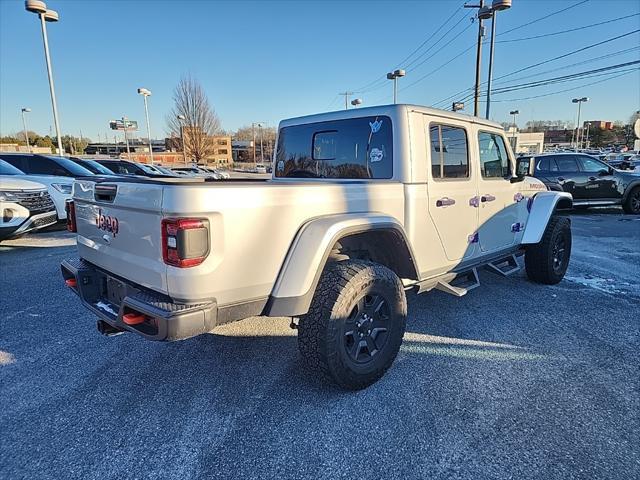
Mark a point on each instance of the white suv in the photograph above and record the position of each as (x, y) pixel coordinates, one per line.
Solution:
(24, 206)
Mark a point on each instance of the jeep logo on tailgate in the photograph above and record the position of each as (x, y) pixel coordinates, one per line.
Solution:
(107, 223)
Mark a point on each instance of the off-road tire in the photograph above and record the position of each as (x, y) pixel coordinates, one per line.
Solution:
(542, 260)
(632, 202)
(325, 332)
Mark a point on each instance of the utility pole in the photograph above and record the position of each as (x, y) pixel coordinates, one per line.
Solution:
(346, 98)
(482, 14)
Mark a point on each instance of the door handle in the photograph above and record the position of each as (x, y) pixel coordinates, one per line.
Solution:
(593, 179)
(487, 198)
(561, 179)
(445, 202)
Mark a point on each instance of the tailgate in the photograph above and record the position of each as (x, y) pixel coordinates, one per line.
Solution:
(119, 229)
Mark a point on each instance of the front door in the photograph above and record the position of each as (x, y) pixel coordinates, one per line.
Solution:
(600, 183)
(452, 186)
(499, 212)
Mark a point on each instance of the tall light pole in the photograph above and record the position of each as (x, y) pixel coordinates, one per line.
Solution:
(394, 76)
(181, 119)
(587, 140)
(579, 101)
(40, 8)
(496, 6)
(261, 143)
(483, 14)
(147, 93)
(515, 113)
(24, 126)
(126, 139)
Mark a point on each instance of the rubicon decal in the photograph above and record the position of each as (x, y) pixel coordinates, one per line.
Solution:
(107, 223)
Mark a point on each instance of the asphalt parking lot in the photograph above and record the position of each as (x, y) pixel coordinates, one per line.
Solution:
(515, 380)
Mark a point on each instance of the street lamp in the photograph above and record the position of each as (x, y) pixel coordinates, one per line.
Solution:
(147, 93)
(515, 113)
(24, 125)
(40, 8)
(182, 118)
(394, 76)
(356, 101)
(514, 142)
(496, 6)
(579, 101)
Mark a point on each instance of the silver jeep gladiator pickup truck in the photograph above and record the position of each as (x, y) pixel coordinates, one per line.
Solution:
(363, 206)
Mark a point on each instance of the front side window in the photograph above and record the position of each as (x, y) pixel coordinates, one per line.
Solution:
(449, 154)
(351, 148)
(591, 165)
(494, 160)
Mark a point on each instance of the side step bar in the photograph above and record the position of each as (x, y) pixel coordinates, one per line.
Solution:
(505, 266)
(461, 284)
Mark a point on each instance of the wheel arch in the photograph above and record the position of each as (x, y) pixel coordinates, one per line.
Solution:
(543, 206)
(633, 184)
(375, 237)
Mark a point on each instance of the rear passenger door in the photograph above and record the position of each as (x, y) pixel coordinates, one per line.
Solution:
(451, 186)
(499, 212)
(568, 175)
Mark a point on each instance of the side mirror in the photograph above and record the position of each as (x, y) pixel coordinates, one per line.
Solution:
(517, 179)
(602, 173)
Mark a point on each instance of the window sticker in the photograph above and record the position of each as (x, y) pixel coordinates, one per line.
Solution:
(375, 126)
(376, 155)
(280, 166)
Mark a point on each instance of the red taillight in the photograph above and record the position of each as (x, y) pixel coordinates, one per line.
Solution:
(70, 208)
(185, 241)
(71, 282)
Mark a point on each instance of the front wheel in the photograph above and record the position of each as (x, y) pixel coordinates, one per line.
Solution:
(547, 261)
(355, 325)
(632, 202)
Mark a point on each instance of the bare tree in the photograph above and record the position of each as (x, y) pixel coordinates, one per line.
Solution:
(200, 123)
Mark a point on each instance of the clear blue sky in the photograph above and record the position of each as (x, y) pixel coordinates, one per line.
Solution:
(264, 61)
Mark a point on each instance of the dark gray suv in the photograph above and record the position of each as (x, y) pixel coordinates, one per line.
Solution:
(590, 181)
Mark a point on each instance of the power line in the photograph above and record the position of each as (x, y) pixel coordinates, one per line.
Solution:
(456, 95)
(569, 30)
(433, 45)
(384, 77)
(568, 54)
(568, 89)
(544, 18)
(431, 36)
(563, 78)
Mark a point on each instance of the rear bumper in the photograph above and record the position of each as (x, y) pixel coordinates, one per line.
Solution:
(164, 320)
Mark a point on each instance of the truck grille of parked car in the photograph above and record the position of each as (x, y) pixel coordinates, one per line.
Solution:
(35, 202)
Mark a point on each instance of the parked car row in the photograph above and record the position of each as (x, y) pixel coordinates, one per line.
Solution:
(34, 187)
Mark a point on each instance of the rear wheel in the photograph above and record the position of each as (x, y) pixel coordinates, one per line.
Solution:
(355, 324)
(632, 203)
(547, 262)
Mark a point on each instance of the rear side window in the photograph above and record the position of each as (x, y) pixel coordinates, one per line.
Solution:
(351, 148)
(449, 153)
(494, 160)
(567, 163)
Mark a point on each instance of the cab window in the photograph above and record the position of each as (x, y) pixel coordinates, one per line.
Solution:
(494, 160)
(449, 152)
(354, 148)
